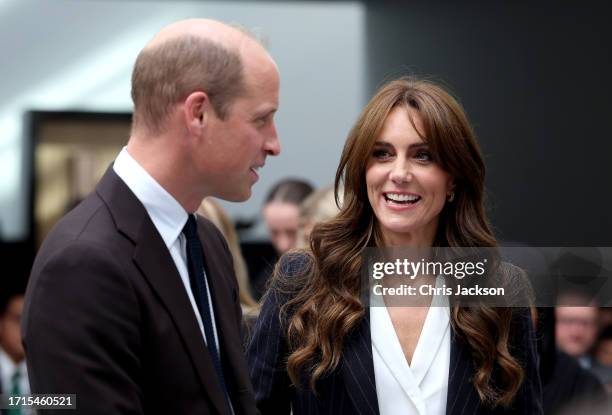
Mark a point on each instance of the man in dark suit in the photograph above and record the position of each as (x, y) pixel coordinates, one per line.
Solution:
(132, 303)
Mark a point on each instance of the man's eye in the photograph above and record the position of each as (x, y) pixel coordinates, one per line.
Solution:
(381, 154)
(262, 121)
(423, 156)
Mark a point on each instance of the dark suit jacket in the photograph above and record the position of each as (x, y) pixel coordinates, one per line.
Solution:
(351, 389)
(107, 317)
(570, 384)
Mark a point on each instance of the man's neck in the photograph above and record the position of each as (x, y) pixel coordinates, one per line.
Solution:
(164, 166)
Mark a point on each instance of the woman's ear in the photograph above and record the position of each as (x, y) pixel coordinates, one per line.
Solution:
(195, 112)
(450, 190)
(450, 185)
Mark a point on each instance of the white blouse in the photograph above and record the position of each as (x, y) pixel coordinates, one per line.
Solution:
(420, 388)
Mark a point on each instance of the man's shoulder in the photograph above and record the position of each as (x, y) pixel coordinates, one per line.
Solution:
(88, 218)
(89, 225)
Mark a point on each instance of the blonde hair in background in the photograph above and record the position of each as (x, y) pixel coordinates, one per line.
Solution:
(215, 213)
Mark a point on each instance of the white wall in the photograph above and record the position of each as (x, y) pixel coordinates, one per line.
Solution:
(78, 55)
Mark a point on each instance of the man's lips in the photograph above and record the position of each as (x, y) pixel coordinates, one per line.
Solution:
(255, 170)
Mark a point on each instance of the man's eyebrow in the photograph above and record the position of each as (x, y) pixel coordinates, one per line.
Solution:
(382, 143)
(265, 112)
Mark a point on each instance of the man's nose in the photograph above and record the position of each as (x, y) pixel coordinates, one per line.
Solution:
(272, 144)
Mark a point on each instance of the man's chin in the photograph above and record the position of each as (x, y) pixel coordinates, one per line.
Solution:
(236, 197)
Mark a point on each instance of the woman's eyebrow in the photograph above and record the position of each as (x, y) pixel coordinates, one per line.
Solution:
(380, 143)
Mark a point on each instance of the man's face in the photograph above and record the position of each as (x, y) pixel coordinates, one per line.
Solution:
(10, 330)
(237, 147)
(576, 329)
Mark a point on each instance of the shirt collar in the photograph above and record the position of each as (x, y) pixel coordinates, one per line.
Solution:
(167, 214)
(8, 367)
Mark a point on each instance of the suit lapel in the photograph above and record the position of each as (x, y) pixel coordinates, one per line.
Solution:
(358, 368)
(223, 292)
(153, 259)
(462, 397)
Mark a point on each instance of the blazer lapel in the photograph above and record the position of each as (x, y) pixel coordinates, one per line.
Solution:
(153, 259)
(358, 368)
(223, 295)
(462, 397)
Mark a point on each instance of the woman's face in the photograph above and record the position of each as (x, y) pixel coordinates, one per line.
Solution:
(406, 189)
(282, 220)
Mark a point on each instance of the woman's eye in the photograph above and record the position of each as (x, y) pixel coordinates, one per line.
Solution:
(381, 154)
(423, 156)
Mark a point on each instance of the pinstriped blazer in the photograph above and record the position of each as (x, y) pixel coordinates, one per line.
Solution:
(351, 389)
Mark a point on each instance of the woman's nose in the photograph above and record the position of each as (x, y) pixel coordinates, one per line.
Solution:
(401, 172)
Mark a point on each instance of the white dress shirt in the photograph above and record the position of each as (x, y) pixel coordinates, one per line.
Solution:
(169, 218)
(7, 370)
(421, 387)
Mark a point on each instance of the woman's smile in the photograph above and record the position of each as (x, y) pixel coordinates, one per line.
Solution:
(407, 189)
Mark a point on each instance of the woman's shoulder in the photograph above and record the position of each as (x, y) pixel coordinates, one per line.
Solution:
(518, 287)
(294, 263)
(290, 275)
(510, 270)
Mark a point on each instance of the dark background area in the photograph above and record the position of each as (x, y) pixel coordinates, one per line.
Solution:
(535, 79)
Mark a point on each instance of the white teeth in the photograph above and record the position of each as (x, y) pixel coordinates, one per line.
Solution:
(401, 198)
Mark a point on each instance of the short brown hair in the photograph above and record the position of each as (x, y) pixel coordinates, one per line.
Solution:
(166, 74)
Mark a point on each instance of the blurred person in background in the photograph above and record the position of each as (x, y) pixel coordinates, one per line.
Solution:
(577, 327)
(600, 408)
(602, 358)
(281, 214)
(605, 317)
(319, 207)
(564, 381)
(13, 372)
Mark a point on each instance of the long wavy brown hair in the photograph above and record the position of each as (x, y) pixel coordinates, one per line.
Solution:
(326, 305)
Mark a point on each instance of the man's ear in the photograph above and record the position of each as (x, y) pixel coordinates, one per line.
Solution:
(195, 111)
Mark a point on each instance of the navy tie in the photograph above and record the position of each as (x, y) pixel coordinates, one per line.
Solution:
(197, 279)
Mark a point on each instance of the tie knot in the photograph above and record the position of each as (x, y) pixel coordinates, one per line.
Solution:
(191, 228)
